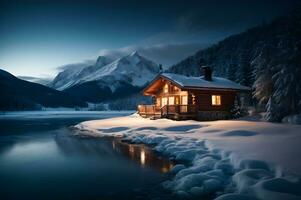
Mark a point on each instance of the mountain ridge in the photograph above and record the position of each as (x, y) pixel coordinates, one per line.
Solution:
(106, 76)
(122, 69)
(17, 94)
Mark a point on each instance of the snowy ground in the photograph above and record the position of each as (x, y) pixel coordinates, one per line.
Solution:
(233, 159)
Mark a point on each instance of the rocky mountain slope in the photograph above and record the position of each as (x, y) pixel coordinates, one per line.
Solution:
(107, 79)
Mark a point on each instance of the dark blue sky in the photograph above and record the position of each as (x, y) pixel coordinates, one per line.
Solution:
(38, 36)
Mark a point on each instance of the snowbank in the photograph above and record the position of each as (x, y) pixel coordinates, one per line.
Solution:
(226, 159)
(292, 119)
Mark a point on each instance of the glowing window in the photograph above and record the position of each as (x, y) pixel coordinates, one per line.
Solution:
(175, 88)
(158, 102)
(171, 100)
(165, 88)
(164, 101)
(216, 100)
(177, 100)
(184, 100)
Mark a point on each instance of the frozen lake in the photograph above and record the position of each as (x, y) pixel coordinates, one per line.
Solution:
(41, 158)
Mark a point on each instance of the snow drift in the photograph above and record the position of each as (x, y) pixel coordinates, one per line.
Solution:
(209, 170)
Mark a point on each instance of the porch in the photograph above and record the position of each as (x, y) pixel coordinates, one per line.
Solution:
(177, 112)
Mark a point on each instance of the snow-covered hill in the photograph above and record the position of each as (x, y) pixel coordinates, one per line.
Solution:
(132, 69)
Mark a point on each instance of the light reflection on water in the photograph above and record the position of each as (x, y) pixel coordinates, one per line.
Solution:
(142, 154)
(142, 157)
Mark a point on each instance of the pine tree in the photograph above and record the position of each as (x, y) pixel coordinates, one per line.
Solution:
(244, 73)
(288, 87)
(231, 71)
(262, 73)
(272, 114)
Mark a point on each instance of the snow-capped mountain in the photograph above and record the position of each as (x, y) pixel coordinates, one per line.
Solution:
(133, 69)
(130, 72)
(71, 73)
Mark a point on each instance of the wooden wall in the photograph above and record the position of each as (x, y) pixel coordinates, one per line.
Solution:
(202, 97)
(203, 100)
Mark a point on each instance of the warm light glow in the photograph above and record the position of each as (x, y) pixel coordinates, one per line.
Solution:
(216, 100)
(177, 100)
(184, 100)
(165, 88)
(142, 157)
(131, 151)
(171, 100)
(164, 169)
(158, 102)
(164, 101)
(193, 99)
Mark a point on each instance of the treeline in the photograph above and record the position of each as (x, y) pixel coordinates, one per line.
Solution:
(266, 58)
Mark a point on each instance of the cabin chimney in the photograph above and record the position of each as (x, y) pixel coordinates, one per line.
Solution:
(207, 72)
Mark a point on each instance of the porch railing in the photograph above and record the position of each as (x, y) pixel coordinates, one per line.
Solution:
(178, 109)
(149, 110)
(152, 110)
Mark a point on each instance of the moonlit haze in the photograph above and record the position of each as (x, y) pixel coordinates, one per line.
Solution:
(39, 36)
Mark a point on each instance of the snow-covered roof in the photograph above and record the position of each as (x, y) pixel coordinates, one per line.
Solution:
(200, 82)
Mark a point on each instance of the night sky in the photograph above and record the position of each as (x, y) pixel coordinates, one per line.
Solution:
(36, 37)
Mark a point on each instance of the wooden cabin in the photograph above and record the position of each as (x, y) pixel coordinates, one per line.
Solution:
(180, 97)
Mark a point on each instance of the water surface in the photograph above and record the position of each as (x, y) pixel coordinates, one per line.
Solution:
(41, 158)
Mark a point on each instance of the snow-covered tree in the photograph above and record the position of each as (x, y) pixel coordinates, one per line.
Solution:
(244, 72)
(272, 113)
(266, 57)
(231, 71)
(263, 72)
(288, 86)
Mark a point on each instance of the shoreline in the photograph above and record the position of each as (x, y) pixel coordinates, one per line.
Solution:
(213, 168)
(63, 113)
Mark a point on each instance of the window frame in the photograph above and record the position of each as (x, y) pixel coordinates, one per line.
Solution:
(216, 100)
(166, 88)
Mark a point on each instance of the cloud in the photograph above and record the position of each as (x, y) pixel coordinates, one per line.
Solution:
(43, 81)
(210, 22)
(76, 65)
(165, 54)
